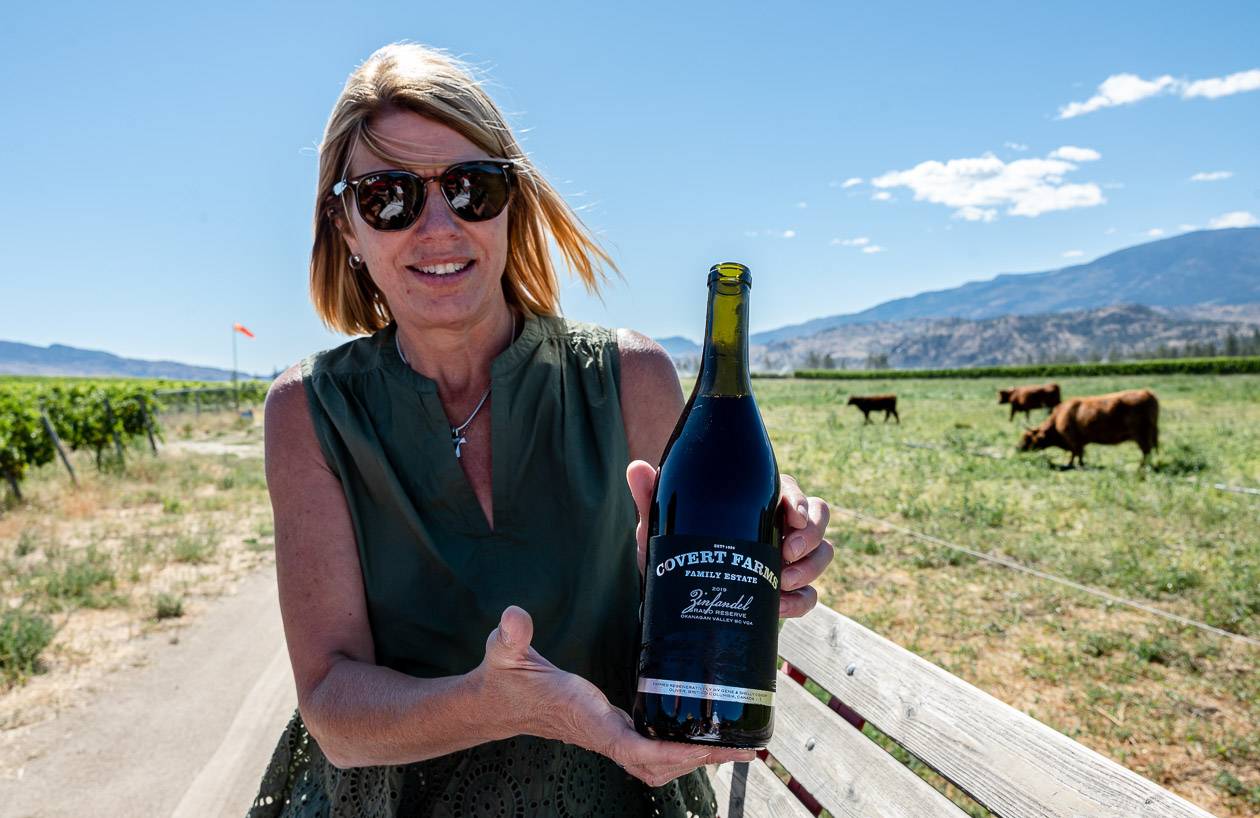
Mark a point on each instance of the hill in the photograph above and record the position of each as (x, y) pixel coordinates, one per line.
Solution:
(1110, 333)
(58, 359)
(1204, 268)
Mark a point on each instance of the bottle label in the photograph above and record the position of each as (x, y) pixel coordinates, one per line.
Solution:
(697, 690)
(711, 616)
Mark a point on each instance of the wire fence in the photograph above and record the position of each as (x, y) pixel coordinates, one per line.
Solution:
(1013, 565)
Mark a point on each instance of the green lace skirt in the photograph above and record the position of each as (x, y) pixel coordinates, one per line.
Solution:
(517, 778)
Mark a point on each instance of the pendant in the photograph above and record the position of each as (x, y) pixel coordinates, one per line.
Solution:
(458, 440)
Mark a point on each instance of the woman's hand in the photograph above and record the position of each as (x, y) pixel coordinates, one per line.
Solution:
(537, 698)
(805, 553)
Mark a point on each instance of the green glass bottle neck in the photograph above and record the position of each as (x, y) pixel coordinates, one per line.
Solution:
(724, 363)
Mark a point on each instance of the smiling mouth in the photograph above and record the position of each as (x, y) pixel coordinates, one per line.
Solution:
(440, 270)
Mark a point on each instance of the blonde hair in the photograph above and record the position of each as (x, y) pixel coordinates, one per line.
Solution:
(431, 83)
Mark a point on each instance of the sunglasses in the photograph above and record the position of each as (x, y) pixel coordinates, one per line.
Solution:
(393, 199)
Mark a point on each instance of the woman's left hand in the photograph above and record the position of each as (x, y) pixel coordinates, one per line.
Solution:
(806, 554)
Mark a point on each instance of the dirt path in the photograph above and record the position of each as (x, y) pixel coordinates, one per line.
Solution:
(245, 449)
(189, 733)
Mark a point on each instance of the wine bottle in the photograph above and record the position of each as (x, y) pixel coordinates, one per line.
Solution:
(709, 632)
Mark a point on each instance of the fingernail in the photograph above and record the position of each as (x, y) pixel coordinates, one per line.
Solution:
(803, 508)
(795, 545)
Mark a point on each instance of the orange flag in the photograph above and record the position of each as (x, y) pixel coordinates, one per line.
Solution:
(241, 329)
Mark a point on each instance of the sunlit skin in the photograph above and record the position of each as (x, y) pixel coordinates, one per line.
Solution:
(451, 326)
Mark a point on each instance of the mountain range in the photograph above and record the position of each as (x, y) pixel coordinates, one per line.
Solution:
(67, 361)
(1190, 292)
(1206, 267)
(1106, 333)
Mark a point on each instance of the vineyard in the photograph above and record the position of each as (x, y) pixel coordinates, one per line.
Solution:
(40, 418)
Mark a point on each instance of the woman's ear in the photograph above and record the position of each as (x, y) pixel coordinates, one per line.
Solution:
(334, 212)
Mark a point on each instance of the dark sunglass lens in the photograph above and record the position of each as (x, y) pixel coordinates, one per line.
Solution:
(389, 201)
(476, 191)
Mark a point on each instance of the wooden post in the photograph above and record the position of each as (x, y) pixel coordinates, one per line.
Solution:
(109, 419)
(13, 484)
(148, 425)
(236, 391)
(61, 450)
(197, 401)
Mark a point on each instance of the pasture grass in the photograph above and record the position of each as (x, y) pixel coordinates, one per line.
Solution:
(1172, 702)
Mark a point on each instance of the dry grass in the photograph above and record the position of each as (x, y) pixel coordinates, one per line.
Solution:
(128, 558)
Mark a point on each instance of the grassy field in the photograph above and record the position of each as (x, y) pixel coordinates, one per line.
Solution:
(1175, 703)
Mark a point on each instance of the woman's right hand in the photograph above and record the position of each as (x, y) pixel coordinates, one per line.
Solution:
(534, 697)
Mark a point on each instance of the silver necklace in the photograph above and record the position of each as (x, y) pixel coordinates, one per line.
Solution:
(457, 432)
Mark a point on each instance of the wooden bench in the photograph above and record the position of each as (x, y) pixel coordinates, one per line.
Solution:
(1007, 761)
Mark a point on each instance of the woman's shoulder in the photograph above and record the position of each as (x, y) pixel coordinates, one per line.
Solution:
(631, 344)
(354, 356)
(288, 398)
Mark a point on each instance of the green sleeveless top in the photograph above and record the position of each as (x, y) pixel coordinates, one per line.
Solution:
(436, 577)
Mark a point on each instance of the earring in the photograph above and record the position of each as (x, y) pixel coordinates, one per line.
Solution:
(355, 262)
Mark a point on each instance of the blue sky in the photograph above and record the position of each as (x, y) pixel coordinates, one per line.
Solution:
(161, 163)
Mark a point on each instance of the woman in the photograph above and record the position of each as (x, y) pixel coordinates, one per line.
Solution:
(455, 542)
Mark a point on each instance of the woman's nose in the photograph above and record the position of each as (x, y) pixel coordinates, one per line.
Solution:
(436, 217)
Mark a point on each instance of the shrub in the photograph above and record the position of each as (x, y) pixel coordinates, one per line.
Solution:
(23, 636)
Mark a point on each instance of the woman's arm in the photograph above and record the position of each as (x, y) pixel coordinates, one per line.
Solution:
(360, 713)
(651, 396)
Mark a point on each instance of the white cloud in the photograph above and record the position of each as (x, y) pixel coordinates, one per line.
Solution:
(802, 205)
(873, 248)
(1125, 89)
(1223, 86)
(882, 196)
(789, 234)
(1186, 228)
(852, 181)
(857, 242)
(1236, 218)
(976, 214)
(1016, 146)
(1118, 89)
(1155, 232)
(1211, 175)
(1110, 231)
(1074, 254)
(1075, 154)
(976, 187)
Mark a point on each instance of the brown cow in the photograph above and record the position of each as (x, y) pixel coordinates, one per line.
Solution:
(876, 403)
(1027, 398)
(1106, 419)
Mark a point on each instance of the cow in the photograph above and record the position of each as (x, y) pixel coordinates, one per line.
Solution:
(876, 403)
(1027, 398)
(1105, 419)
